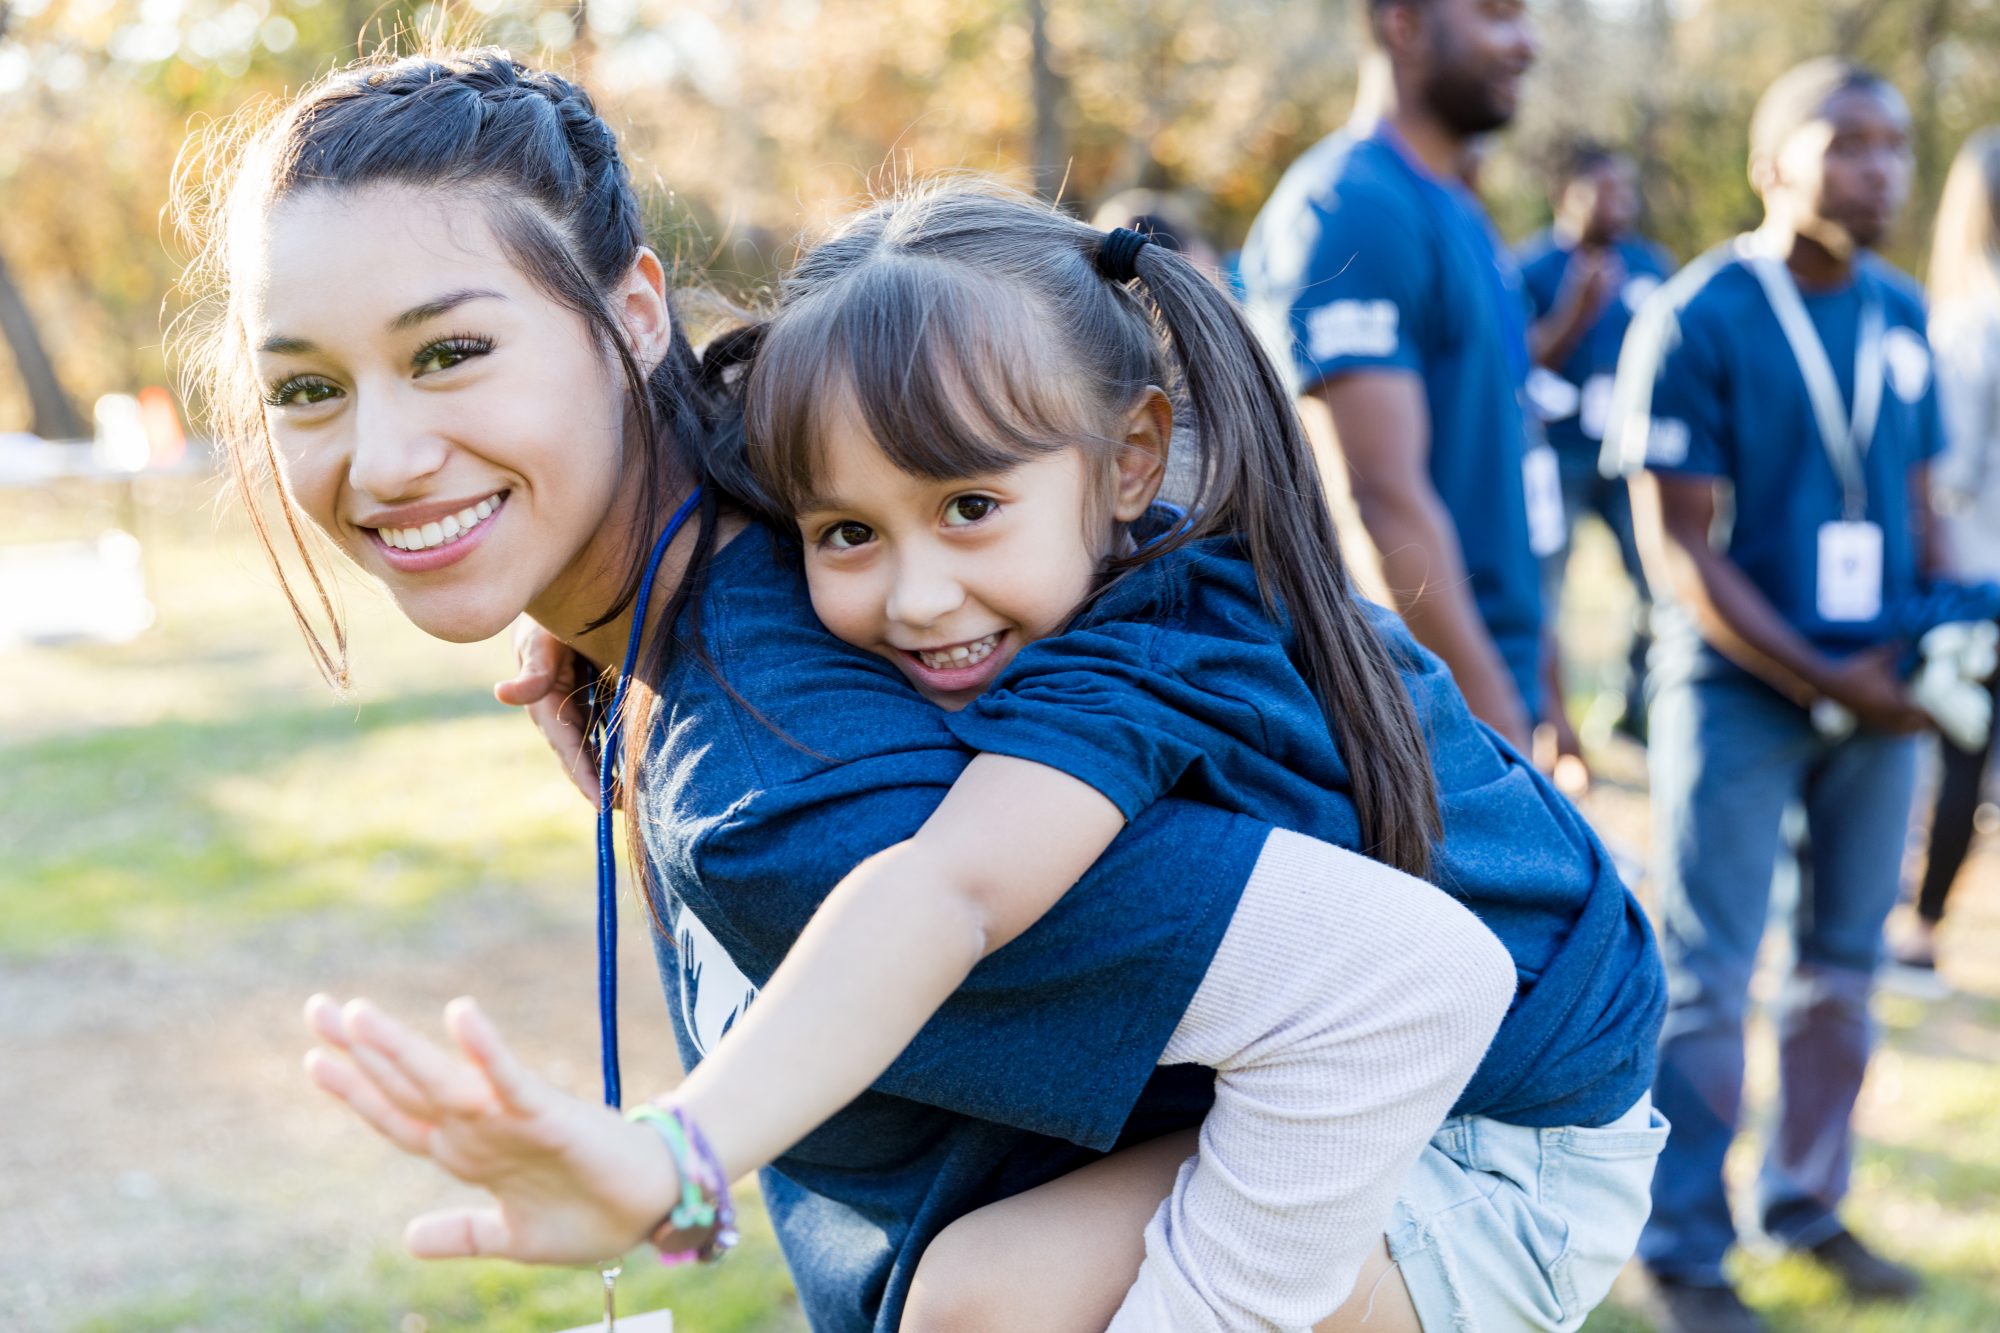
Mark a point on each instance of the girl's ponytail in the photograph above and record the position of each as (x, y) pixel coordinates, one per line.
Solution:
(1257, 478)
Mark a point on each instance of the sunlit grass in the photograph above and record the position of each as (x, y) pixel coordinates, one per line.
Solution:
(749, 1292)
(170, 833)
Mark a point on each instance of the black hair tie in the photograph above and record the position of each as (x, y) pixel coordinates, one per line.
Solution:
(1118, 254)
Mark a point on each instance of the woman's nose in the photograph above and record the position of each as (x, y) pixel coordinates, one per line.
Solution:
(395, 449)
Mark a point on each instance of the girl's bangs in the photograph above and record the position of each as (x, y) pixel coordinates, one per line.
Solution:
(942, 369)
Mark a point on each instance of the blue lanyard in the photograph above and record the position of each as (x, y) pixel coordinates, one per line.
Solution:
(607, 767)
(1453, 206)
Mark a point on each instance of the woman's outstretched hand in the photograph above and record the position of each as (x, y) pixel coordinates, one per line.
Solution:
(572, 1181)
(549, 683)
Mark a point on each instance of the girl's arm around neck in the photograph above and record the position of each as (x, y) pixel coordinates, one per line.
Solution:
(889, 945)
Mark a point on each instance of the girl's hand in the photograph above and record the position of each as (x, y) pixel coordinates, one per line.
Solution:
(572, 1181)
(549, 683)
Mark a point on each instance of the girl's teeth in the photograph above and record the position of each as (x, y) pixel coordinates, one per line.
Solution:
(962, 656)
(449, 528)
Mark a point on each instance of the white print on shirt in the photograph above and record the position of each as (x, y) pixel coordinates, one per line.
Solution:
(1637, 290)
(714, 991)
(1352, 328)
(1908, 361)
(1666, 441)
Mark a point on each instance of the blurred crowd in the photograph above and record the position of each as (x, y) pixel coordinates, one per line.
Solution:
(1792, 446)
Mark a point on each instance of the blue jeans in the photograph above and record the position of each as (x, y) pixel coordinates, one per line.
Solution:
(1729, 757)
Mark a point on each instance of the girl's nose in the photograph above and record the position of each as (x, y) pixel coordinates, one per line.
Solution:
(395, 450)
(923, 594)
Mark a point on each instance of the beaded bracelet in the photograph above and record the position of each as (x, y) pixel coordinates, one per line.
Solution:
(699, 1170)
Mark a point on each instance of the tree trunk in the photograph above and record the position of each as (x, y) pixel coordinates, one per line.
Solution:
(53, 416)
(1050, 160)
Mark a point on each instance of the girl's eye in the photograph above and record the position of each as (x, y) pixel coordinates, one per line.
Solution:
(448, 352)
(300, 391)
(969, 509)
(847, 536)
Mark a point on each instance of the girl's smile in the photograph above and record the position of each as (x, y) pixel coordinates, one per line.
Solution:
(959, 668)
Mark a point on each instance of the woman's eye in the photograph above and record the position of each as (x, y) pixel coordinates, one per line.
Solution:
(448, 352)
(967, 509)
(300, 391)
(847, 536)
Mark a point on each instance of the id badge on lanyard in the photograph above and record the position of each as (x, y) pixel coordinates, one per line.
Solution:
(1849, 568)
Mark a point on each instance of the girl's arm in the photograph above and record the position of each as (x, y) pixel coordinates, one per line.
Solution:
(889, 946)
(573, 1182)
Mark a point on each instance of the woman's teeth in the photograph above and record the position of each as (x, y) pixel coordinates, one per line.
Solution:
(964, 655)
(449, 528)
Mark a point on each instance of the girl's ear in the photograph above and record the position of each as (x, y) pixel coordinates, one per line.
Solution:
(1142, 461)
(641, 305)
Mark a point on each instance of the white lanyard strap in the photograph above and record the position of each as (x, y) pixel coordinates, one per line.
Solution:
(1845, 438)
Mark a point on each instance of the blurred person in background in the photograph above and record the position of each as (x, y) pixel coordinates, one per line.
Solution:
(1965, 492)
(1407, 341)
(1787, 369)
(1586, 275)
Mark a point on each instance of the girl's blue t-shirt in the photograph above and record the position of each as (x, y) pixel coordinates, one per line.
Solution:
(1707, 387)
(1179, 683)
(759, 795)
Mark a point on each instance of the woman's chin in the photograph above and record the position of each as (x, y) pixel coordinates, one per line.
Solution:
(457, 624)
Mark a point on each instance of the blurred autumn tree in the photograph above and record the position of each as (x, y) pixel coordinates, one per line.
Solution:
(753, 119)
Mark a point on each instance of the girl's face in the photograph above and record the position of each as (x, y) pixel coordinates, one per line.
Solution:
(949, 579)
(456, 432)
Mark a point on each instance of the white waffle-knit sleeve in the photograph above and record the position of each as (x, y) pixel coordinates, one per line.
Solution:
(1345, 1010)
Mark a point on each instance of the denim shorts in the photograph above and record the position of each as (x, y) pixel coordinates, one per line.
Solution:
(1504, 1227)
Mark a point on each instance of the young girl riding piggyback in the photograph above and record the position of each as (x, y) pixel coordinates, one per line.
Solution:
(963, 409)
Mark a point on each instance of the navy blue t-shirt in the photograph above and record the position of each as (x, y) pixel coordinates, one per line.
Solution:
(1179, 682)
(1708, 387)
(1579, 435)
(1046, 1056)
(1362, 260)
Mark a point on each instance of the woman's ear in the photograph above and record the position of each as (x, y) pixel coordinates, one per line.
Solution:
(641, 305)
(1142, 459)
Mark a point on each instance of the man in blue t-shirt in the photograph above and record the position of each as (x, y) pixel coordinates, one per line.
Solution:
(1406, 336)
(1586, 276)
(1787, 371)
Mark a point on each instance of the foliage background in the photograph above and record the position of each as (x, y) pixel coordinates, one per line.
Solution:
(755, 119)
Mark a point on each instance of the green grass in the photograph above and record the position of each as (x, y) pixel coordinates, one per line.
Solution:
(165, 835)
(747, 1293)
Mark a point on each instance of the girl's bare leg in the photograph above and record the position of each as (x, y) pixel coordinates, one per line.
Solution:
(1061, 1258)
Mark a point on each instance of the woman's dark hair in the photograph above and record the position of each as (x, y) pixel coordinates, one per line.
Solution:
(529, 148)
(969, 328)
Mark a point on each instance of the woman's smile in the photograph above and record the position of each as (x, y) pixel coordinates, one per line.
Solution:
(417, 547)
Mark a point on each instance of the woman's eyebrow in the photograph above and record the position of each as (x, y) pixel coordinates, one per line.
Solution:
(450, 301)
(280, 345)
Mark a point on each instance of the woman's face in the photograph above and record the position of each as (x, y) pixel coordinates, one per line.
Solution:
(457, 433)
